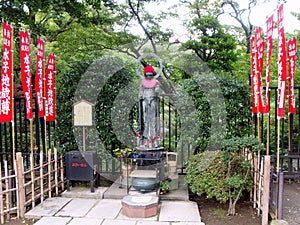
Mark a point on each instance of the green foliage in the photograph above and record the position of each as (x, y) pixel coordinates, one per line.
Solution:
(222, 174)
(66, 87)
(212, 44)
(238, 111)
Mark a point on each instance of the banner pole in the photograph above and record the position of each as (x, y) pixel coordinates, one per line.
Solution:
(268, 134)
(278, 144)
(258, 126)
(13, 99)
(31, 135)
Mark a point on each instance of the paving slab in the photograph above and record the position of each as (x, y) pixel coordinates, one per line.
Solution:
(78, 207)
(187, 223)
(84, 192)
(180, 211)
(53, 221)
(115, 191)
(152, 223)
(118, 222)
(82, 221)
(105, 208)
(49, 207)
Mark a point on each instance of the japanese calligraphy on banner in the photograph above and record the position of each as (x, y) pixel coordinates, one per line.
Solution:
(254, 80)
(50, 89)
(6, 97)
(292, 49)
(260, 59)
(39, 77)
(26, 71)
(281, 64)
(270, 27)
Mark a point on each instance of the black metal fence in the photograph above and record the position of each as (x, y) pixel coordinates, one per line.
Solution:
(288, 137)
(16, 136)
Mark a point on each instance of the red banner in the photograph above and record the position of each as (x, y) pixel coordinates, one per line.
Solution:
(270, 27)
(6, 105)
(254, 80)
(292, 49)
(39, 77)
(50, 89)
(281, 64)
(26, 71)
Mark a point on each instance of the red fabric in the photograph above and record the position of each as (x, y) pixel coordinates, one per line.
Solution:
(26, 71)
(6, 105)
(281, 64)
(149, 69)
(50, 89)
(39, 77)
(149, 83)
(254, 81)
(270, 27)
(292, 49)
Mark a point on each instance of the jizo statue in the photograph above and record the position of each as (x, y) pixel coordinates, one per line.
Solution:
(149, 118)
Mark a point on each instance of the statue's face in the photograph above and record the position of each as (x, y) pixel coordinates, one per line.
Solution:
(149, 75)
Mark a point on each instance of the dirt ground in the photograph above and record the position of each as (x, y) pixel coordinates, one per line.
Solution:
(214, 213)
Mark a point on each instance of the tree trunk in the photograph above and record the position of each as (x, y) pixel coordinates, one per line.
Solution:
(231, 208)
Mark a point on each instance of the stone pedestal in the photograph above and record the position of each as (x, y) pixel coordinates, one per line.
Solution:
(140, 206)
(174, 182)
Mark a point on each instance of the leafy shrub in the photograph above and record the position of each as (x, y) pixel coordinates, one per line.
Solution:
(223, 174)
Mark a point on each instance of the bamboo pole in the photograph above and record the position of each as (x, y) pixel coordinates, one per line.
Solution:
(13, 99)
(31, 135)
(7, 186)
(32, 179)
(258, 127)
(268, 133)
(49, 173)
(1, 198)
(42, 176)
(55, 171)
(278, 144)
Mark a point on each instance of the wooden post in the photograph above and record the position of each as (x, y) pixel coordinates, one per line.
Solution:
(20, 184)
(62, 179)
(266, 188)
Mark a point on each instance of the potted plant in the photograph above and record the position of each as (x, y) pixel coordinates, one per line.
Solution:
(123, 154)
(164, 186)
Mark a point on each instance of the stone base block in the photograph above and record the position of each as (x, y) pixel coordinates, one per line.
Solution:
(140, 206)
(174, 182)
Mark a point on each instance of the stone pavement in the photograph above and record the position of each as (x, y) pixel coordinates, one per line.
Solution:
(80, 206)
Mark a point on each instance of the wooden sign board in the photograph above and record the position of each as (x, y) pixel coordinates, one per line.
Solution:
(83, 113)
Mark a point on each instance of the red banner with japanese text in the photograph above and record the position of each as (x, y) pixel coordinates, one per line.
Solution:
(281, 64)
(254, 80)
(6, 96)
(270, 28)
(292, 49)
(26, 71)
(39, 77)
(260, 46)
(50, 89)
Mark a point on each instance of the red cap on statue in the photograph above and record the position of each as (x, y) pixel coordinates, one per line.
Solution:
(148, 69)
